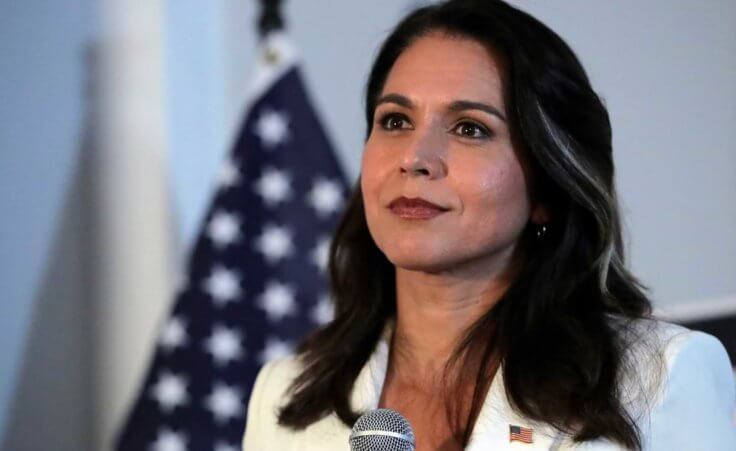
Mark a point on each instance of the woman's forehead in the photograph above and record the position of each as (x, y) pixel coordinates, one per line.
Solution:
(442, 67)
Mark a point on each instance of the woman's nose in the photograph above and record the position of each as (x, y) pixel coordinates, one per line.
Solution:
(425, 156)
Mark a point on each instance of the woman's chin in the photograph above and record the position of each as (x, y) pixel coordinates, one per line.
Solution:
(420, 262)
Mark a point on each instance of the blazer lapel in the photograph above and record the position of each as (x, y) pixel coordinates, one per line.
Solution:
(492, 430)
(369, 383)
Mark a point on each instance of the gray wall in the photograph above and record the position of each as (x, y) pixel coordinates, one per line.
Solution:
(666, 69)
(42, 47)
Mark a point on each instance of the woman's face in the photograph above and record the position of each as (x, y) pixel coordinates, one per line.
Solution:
(440, 133)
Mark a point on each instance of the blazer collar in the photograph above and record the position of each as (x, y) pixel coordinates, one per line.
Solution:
(369, 383)
(492, 429)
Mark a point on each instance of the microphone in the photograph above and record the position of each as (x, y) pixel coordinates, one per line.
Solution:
(382, 430)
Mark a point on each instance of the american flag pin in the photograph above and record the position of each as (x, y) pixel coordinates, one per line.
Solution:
(520, 434)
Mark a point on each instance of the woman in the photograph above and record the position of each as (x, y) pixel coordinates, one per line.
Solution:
(478, 270)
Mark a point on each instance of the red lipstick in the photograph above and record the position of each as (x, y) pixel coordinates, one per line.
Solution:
(415, 208)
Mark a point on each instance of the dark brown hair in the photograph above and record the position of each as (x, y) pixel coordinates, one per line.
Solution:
(562, 356)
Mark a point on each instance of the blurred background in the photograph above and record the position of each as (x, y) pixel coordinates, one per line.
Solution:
(115, 116)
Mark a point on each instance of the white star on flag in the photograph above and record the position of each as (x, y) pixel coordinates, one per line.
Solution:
(325, 196)
(173, 334)
(170, 391)
(229, 175)
(275, 243)
(275, 349)
(224, 228)
(224, 345)
(223, 285)
(273, 186)
(225, 403)
(168, 440)
(277, 300)
(320, 253)
(322, 312)
(273, 128)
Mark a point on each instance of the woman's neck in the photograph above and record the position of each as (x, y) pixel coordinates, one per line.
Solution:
(433, 314)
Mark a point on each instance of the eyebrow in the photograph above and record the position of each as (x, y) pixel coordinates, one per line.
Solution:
(456, 106)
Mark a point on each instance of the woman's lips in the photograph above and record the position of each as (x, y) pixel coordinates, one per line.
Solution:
(416, 208)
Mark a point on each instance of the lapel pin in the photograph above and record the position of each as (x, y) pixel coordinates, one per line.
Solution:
(520, 433)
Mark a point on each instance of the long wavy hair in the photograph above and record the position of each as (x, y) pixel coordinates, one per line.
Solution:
(561, 356)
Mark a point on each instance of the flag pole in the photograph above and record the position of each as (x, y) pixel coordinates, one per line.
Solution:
(271, 18)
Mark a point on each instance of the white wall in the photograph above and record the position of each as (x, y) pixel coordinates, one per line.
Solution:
(666, 69)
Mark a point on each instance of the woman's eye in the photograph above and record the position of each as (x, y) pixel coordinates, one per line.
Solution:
(471, 130)
(393, 121)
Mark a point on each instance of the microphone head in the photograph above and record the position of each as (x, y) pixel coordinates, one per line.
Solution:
(382, 430)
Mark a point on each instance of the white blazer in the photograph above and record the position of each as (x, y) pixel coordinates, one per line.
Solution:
(691, 409)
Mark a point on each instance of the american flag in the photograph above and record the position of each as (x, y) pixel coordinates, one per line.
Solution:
(256, 280)
(520, 433)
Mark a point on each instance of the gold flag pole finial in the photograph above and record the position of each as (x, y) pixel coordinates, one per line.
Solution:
(269, 21)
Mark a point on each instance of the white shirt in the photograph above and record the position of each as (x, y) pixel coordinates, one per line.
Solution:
(689, 405)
